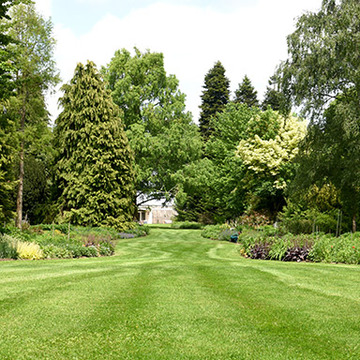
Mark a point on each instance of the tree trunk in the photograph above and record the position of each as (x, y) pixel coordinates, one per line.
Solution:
(19, 201)
(354, 223)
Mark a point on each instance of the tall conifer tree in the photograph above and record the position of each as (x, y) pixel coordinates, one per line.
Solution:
(246, 93)
(215, 96)
(95, 165)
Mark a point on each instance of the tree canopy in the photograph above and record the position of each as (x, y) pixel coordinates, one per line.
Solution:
(7, 126)
(275, 98)
(323, 59)
(33, 74)
(246, 93)
(160, 130)
(95, 163)
(322, 74)
(5, 55)
(215, 96)
(268, 158)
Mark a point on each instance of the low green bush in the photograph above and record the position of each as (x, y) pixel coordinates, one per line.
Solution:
(295, 221)
(304, 247)
(57, 239)
(7, 250)
(90, 251)
(63, 228)
(51, 251)
(343, 249)
(213, 231)
(137, 231)
(220, 232)
(186, 225)
(248, 238)
(106, 248)
(54, 241)
(278, 248)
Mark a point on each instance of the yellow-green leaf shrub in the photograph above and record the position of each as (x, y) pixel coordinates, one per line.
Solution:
(268, 156)
(28, 251)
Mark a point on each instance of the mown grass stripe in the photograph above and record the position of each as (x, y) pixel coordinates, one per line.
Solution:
(175, 295)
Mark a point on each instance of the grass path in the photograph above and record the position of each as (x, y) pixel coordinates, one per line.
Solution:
(174, 295)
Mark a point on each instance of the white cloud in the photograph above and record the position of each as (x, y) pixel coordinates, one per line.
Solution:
(43, 7)
(90, 2)
(250, 40)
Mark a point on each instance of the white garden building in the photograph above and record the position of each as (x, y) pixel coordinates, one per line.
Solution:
(156, 212)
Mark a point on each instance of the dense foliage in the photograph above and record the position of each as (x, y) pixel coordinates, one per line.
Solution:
(95, 163)
(7, 126)
(275, 98)
(215, 96)
(54, 241)
(124, 135)
(8, 146)
(161, 133)
(246, 93)
(249, 165)
(323, 74)
(34, 73)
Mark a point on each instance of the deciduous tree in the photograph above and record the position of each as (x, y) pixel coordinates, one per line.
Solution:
(323, 57)
(160, 130)
(5, 55)
(323, 66)
(35, 74)
(268, 158)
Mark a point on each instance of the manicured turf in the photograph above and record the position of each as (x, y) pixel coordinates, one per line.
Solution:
(174, 295)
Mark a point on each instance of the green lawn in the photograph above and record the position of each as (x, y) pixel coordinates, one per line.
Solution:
(175, 295)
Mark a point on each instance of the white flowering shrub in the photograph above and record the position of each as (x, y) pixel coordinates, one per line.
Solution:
(270, 157)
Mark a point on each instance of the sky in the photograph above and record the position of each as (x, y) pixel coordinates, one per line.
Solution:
(247, 36)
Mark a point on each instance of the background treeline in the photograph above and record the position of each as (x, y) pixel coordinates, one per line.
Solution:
(123, 131)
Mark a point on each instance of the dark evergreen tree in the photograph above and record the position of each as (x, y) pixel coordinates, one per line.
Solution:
(95, 163)
(272, 98)
(246, 93)
(276, 99)
(215, 96)
(7, 125)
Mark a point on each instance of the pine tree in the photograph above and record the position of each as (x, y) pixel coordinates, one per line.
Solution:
(215, 96)
(246, 93)
(276, 99)
(95, 166)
